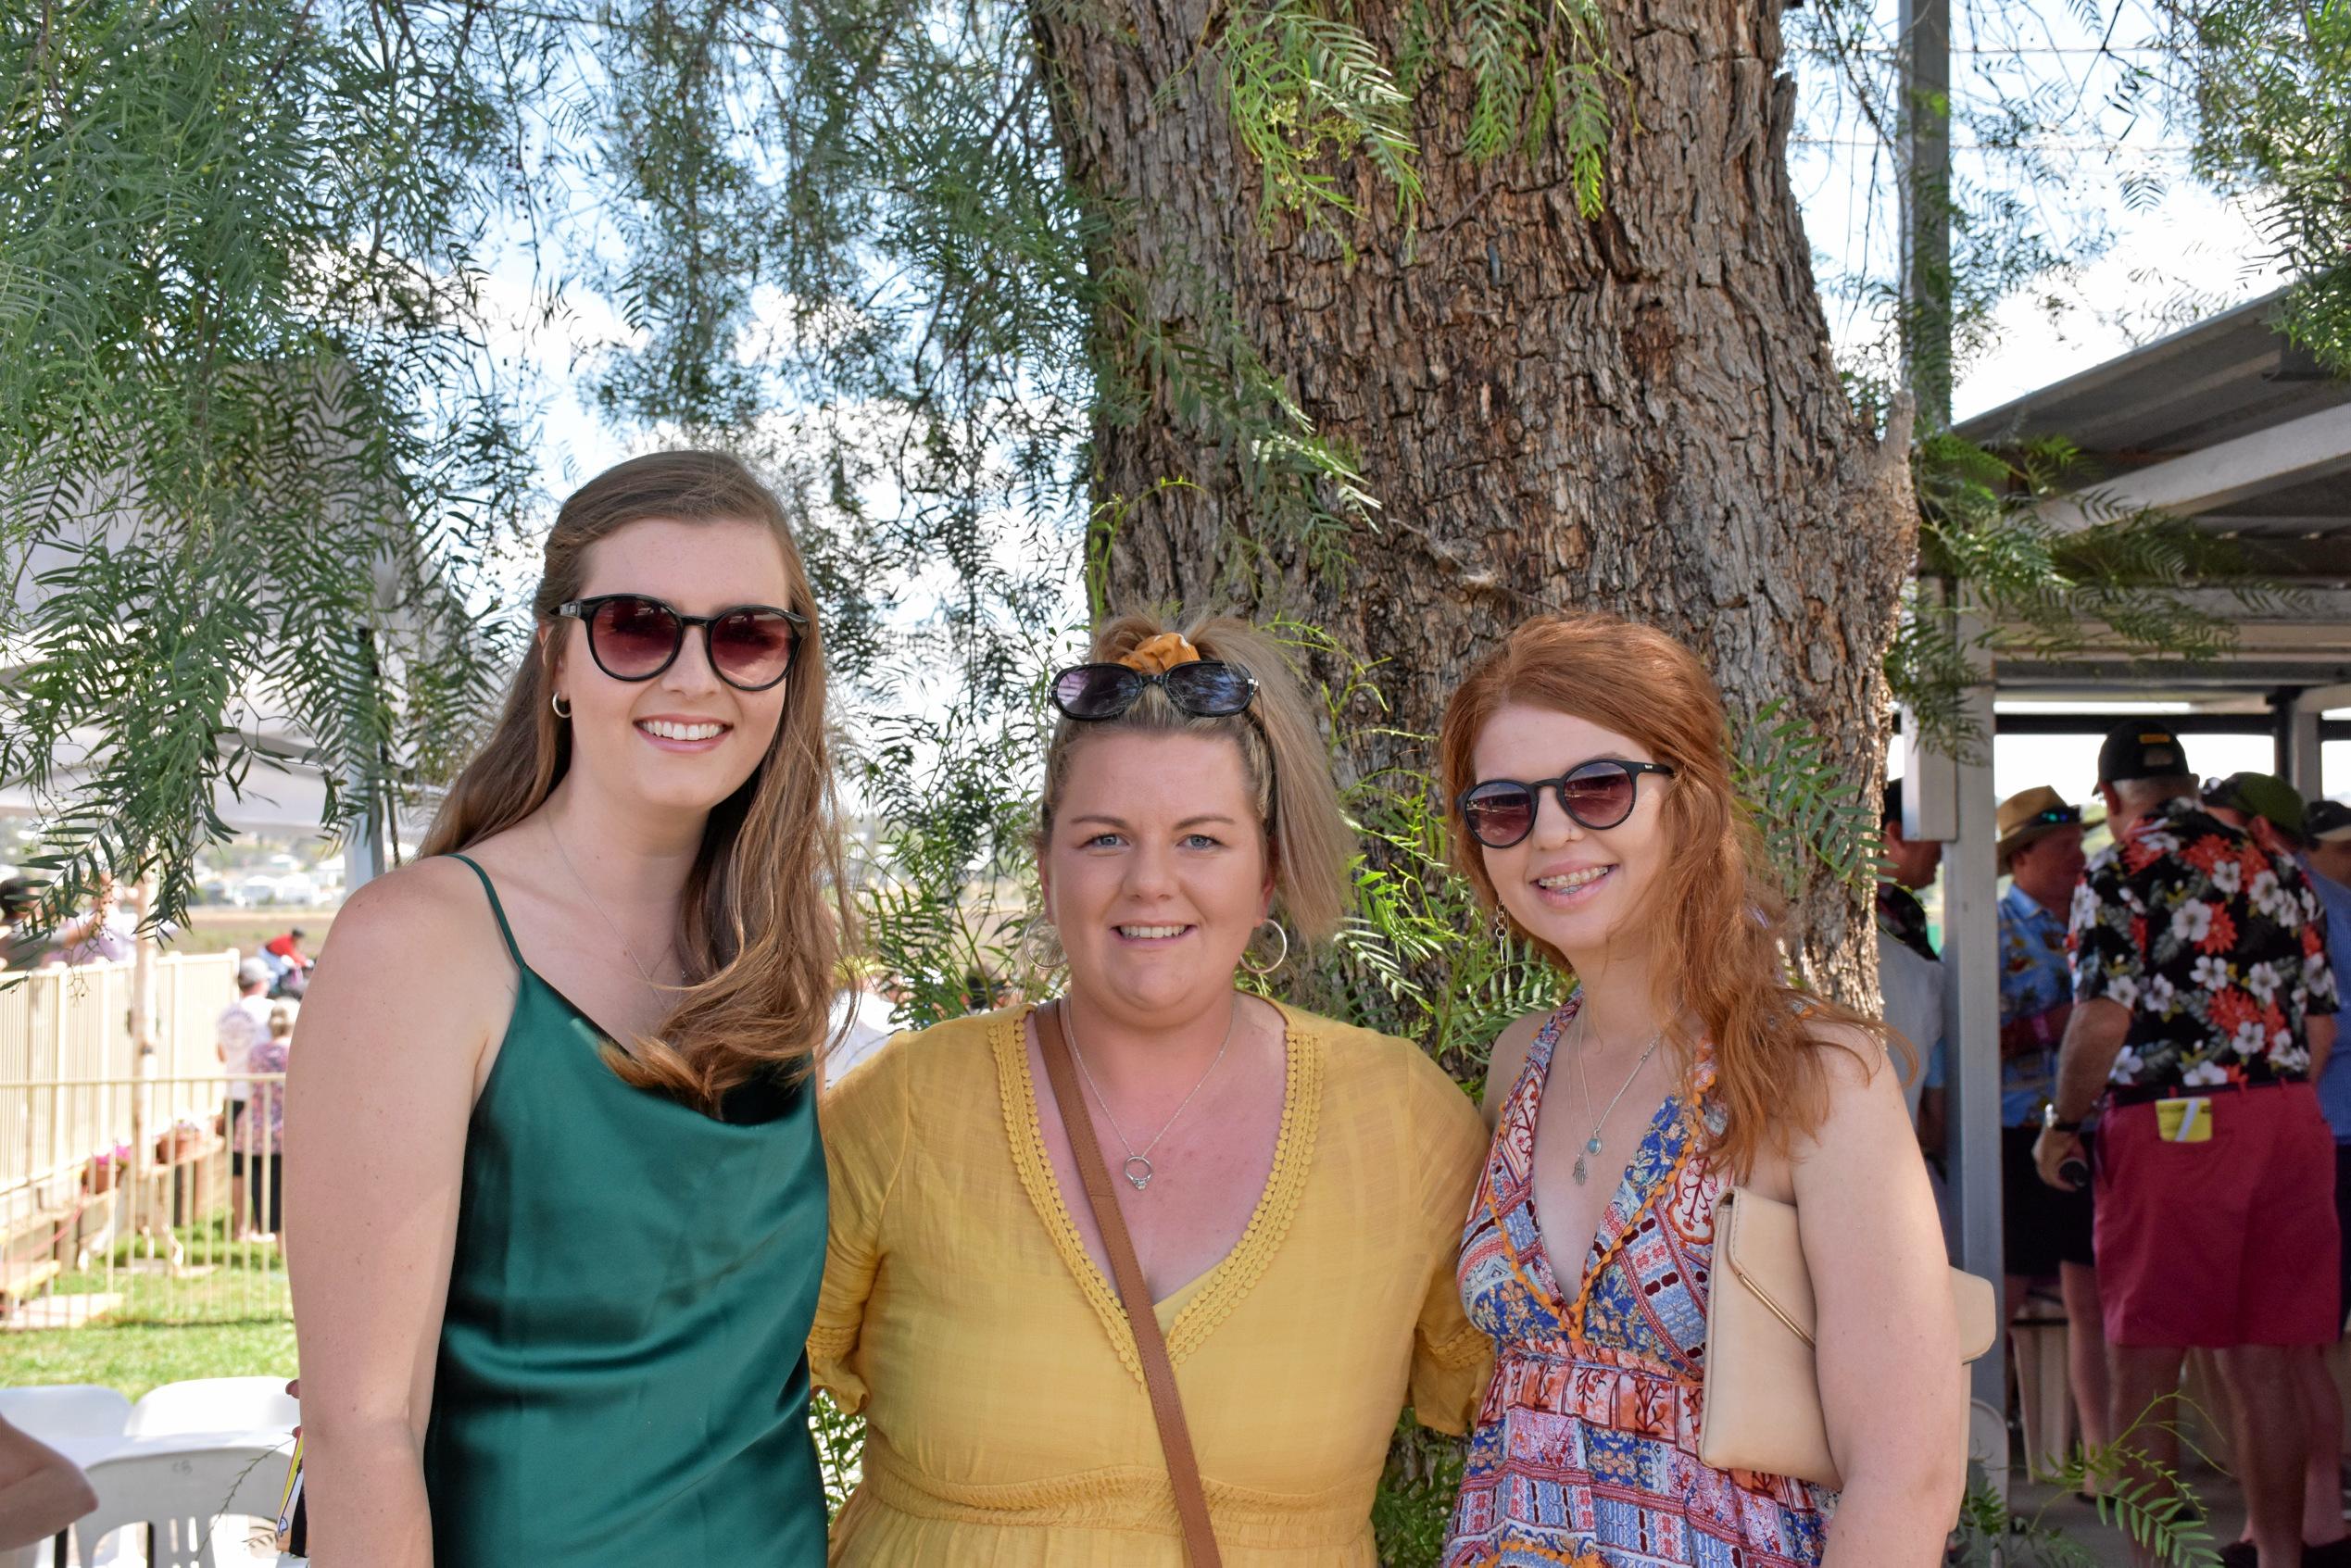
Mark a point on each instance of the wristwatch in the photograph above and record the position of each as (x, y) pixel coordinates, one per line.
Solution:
(2049, 1120)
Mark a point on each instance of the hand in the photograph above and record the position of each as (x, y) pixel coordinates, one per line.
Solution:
(2052, 1150)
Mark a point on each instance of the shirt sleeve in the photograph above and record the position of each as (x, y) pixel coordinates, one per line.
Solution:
(865, 1122)
(2321, 984)
(1452, 1357)
(2107, 962)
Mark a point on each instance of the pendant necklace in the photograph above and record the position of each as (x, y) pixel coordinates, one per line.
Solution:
(1583, 1045)
(1136, 1168)
(627, 951)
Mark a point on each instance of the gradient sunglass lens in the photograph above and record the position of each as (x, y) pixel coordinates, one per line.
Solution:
(633, 638)
(753, 648)
(1598, 795)
(1499, 813)
(1096, 691)
(1209, 690)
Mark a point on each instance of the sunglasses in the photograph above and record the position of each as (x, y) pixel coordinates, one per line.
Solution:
(1601, 793)
(1205, 689)
(634, 637)
(2056, 816)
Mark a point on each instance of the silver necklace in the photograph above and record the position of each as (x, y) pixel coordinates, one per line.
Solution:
(1137, 1166)
(548, 822)
(1583, 1050)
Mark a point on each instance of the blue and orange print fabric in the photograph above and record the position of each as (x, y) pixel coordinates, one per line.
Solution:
(1585, 1450)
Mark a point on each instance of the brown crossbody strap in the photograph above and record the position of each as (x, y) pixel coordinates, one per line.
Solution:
(1159, 1376)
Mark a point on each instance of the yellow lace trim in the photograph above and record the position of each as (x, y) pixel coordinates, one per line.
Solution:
(1227, 1283)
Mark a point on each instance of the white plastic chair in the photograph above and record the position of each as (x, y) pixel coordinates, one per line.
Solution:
(215, 1404)
(178, 1489)
(1988, 1444)
(66, 1412)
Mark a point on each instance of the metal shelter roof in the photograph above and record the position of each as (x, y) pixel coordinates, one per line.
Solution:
(2231, 424)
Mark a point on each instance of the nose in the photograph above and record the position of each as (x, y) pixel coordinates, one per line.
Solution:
(1553, 826)
(690, 673)
(1151, 872)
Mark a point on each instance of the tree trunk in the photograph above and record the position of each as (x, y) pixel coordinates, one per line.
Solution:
(1637, 413)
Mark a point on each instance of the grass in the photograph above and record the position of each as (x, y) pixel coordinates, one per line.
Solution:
(232, 1322)
(215, 929)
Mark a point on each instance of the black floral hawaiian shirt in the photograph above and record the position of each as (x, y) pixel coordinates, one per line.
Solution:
(2218, 950)
(1902, 917)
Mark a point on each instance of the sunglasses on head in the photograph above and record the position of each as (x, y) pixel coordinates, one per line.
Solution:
(1601, 793)
(635, 637)
(1206, 688)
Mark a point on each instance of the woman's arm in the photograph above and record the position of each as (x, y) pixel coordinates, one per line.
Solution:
(1892, 1384)
(394, 1031)
(41, 1490)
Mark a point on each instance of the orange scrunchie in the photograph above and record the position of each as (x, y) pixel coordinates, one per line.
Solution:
(1156, 656)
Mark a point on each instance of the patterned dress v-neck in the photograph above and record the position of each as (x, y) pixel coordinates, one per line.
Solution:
(1584, 1453)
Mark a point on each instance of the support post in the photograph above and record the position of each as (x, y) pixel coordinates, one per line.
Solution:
(1971, 1007)
(1926, 190)
(2299, 762)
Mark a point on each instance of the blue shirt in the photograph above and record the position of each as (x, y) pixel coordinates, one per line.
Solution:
(2334, 1084)
(2036, 996)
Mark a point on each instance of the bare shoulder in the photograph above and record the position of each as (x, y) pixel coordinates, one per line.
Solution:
(415, 947)
(1508, 1059)
(1856, 1061)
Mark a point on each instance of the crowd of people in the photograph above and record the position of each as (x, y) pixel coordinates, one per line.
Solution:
(2176, 1125)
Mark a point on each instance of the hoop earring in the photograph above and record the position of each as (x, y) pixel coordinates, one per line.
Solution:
(1279, 959)
(563, 708)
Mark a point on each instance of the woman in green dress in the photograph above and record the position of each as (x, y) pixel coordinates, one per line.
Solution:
(554, 1183)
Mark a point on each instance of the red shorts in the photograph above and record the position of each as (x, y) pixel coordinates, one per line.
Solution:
(2231, 1241)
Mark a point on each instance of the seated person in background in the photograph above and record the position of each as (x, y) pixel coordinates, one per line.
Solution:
(41, 1490)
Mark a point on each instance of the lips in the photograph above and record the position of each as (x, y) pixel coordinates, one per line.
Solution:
(1570, 889)
(669, 730)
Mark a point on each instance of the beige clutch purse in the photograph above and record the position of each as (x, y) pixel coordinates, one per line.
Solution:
(1763, 1394)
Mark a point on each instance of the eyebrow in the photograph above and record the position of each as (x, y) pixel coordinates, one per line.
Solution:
(1120, 822)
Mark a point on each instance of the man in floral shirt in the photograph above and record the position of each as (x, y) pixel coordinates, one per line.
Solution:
(2203, 1009)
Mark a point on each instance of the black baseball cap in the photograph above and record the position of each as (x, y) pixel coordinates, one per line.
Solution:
(2141, 748)
(2327, 823)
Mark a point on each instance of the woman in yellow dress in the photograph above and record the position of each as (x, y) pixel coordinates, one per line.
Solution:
(1295, 1189)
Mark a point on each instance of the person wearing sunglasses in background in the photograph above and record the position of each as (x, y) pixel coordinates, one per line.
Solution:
(1289, 1189)
(2045, 1234)
(1594, 812)
(554, 1180)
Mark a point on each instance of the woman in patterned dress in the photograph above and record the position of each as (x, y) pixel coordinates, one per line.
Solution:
(1594, 811)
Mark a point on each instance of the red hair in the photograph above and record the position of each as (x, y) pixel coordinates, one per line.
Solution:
(1716, 914)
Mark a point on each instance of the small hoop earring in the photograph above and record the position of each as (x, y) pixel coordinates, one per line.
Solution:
(1279, 959)
(563, 708)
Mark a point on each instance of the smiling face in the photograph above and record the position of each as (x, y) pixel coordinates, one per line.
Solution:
(684, 740)
(1570, 886)
(1156, 874)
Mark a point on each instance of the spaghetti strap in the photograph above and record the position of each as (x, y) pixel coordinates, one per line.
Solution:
(497, 911)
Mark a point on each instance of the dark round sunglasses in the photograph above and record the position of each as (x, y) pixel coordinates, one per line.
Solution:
(634, 637)
(1601, 793)
(1205, 689)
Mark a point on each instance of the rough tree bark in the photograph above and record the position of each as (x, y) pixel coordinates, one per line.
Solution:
(1638, 413)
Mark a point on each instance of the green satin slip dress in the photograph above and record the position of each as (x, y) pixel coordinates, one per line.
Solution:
(623, 1379)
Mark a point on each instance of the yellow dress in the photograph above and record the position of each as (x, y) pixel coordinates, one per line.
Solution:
(1007, 1422)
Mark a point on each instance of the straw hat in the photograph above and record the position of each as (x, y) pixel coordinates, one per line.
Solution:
(2028, 815)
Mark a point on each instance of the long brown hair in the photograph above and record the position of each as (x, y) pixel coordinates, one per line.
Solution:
(1716, 920)
(1308, 843)
(764, 911)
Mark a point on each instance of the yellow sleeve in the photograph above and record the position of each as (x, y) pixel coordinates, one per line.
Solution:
(1452, 1357)
(865, 1122)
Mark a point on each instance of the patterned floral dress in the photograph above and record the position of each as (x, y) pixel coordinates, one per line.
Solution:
(1586, 1447)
